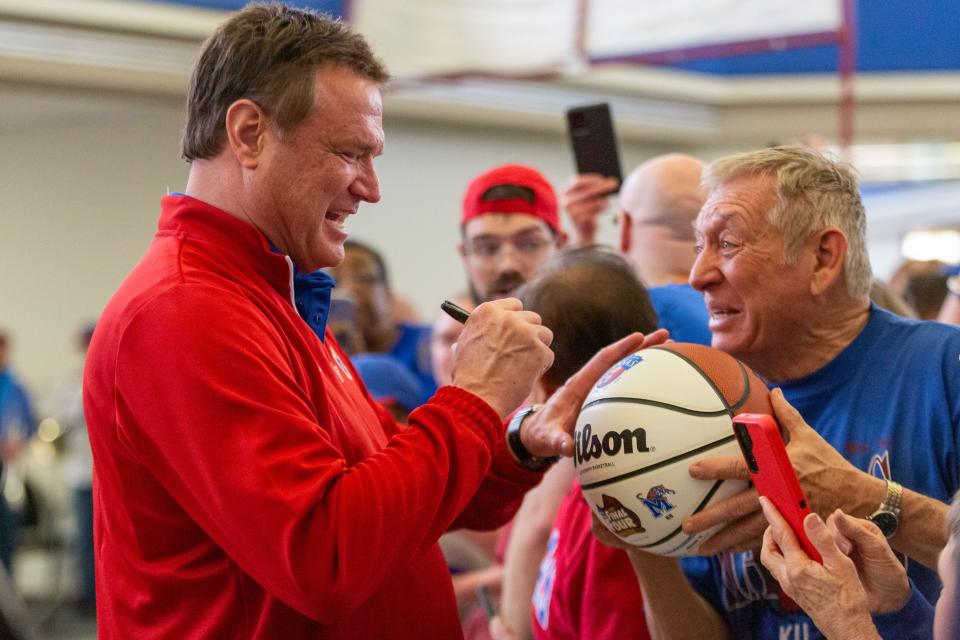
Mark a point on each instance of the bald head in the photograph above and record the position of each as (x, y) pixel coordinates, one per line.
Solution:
(659, 201)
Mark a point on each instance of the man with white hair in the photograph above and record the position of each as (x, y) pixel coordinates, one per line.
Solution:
(783, 266)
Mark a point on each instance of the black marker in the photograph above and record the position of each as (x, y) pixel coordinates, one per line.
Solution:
(456, 312)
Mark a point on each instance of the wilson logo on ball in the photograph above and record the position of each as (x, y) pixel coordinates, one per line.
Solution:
(588, 446)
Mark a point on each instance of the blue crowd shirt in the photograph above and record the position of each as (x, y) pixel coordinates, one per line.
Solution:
(890, 404)
(413, 350)
(15, 410)
(682, 312)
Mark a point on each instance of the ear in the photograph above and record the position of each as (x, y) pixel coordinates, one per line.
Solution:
(623, 219)
(246, 125)
(461, 250)
(562, 238)
(830, 249)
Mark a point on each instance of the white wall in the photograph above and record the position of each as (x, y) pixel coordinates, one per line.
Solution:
(80, 204)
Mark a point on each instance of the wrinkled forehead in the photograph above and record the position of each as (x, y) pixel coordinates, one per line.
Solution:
(744, 200)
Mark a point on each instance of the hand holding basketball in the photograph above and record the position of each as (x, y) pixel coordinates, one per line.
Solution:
(645, 421)
(829, 481)
(548, 432)
(825, 475)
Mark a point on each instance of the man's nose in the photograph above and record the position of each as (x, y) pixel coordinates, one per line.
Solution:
(367, 184)
(704, 270)
(508, 258)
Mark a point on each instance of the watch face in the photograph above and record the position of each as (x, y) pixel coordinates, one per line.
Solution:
(886, 521)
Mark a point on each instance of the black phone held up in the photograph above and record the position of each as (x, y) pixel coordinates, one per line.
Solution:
(593, 141)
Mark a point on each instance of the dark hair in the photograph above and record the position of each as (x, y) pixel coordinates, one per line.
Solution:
(267, 53)
(589, 297)
(926, 292)
(373, 253)
(509, 192)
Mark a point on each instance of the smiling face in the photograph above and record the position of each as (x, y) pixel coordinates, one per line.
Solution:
(756, 300)
(313, 178)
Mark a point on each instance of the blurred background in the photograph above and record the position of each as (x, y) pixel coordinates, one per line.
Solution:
(92, 96)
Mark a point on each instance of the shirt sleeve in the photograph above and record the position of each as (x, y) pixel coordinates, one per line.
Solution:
(501, 492)
(914, 621)
(209, 400)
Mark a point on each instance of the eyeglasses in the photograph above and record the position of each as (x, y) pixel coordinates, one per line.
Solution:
(489, 249)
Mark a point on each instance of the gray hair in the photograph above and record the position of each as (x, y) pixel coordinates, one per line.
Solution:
(814, 192)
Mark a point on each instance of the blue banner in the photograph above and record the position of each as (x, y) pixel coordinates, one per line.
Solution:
(333, 7)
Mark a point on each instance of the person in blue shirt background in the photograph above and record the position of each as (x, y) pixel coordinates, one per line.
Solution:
(17, 424)
(363, 277)
(659, 201)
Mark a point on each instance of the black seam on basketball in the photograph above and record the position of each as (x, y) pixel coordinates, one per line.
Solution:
(657, 465)
(703, 375)
(661, 405)
(746, 387)
(699, 508)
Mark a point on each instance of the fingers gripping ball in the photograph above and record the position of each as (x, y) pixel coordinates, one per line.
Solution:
(641, 427)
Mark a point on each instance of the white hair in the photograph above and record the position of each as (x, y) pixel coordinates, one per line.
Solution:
(814, 192)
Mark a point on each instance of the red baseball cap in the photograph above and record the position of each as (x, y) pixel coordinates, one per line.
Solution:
(544, 205)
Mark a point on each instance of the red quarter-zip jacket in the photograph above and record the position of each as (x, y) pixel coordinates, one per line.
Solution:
(246, 485)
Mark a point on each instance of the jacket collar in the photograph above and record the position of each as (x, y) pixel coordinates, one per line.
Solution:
(246, 245)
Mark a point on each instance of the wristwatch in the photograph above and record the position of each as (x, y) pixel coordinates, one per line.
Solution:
(887, 515)
(519, 452)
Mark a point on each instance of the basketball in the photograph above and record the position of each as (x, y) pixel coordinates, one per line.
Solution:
(644, 423)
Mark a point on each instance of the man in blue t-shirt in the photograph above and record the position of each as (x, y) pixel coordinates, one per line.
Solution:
(783, 266)
(17, 424)
(659, 201)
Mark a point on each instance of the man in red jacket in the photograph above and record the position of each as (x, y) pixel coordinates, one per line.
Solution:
(246, 485)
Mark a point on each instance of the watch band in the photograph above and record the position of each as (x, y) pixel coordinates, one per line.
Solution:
(887, 515)
(515, 446)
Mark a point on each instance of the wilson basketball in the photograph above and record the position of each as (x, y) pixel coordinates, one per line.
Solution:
(644, 423)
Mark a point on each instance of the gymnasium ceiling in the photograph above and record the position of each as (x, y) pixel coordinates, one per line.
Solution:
(691, 73)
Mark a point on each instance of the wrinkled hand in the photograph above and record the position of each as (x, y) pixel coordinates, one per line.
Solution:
(549, 431)
(585, 198)
(501, 352)
(831, 593)
(883, 577)
(828, 480)
(826, 477)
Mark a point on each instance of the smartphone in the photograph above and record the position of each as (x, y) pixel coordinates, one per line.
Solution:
(593, 141)
(486, 600)
(765, 454)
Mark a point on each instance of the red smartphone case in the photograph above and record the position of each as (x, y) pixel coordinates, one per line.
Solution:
(772, 473)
